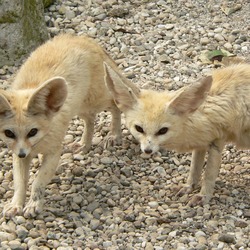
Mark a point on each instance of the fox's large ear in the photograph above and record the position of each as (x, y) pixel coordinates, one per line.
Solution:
(191, 97)
(5, 107)
(49, 97)
(124, 92)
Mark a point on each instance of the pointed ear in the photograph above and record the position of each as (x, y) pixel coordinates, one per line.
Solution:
(49, 97)
(125, 93)
(191, 97)
(5, 107)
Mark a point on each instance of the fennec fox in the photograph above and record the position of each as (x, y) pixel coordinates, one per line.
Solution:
(200, 118)
(62, 78)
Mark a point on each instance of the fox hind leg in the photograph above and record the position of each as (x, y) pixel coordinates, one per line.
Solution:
(210, 174)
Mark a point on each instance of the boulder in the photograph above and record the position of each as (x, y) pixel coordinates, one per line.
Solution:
(22, 28)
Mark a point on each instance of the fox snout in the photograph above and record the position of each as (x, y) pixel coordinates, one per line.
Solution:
(148, 151)
(22, 153)
(149, 147)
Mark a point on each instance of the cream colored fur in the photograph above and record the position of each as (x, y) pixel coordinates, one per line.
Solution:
(201, 118)
(61, 79)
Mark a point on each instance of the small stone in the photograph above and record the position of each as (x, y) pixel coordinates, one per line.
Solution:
(94, 224)
(107, 244)
(228, 46)
(62, 10)
(77, 171)
(129, 217)
(153, 204)
(204, 41)
(199, 233)
(78, 157)
(4, 236)
(247, 213)
(92, 206)
(161, 171)
(20, 220)
(173, 234)
(227, 238)
(111, 203)
(118, 12)
(106, 160)
(241, 223)
(21, 232)
(70, 14)
(78, 199)
(164, 59)
(15, 244)
(219, 37)
(126, 171)
(149, 246)
(169, 26)
(68, 139)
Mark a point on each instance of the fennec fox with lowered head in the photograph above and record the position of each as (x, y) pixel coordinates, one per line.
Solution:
(62, 78)
(200, 118)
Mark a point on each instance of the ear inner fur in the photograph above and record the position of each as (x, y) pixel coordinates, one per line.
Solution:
(191, 97)
(49, 97)
(123, 94)
(5, 106)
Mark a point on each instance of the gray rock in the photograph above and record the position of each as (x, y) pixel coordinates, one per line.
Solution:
(227, 238)
(22, 28)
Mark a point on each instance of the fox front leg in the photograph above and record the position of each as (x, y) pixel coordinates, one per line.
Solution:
(210, 175)
(45, 174)
(20, 176)
(115, 135)
(197, 163)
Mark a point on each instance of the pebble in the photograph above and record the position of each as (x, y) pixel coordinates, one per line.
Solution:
(106, 160)
(219, 37)
(204, 41)
(153, 204)
(227, 238)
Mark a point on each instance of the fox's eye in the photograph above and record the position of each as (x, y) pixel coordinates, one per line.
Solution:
(162, 131)
(139, 129)
(8, 133)
(32, 132)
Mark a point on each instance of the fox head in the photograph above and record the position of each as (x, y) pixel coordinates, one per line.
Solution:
(155, 119)
(25, 115)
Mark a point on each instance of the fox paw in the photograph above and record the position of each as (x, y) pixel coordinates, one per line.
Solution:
(10, 210)
(77, 147)
(184, 189)
(112, 140)
(198, 200)
(33, 208)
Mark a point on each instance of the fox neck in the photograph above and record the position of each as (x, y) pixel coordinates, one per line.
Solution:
(202, 127)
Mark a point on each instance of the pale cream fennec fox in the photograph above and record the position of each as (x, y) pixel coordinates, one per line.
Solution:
(201, 118)
(62, 78)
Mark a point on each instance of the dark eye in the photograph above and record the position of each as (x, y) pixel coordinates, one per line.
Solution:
(139, 129)
(162, 131)
(8, 133)
(32, 132)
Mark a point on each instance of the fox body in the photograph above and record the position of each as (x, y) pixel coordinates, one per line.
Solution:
(201, 118)
(62, 78)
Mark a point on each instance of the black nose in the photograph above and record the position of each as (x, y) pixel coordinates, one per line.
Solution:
(148, 151)
(21, 155)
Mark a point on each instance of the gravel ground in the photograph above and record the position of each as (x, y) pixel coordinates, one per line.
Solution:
(119, 198)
